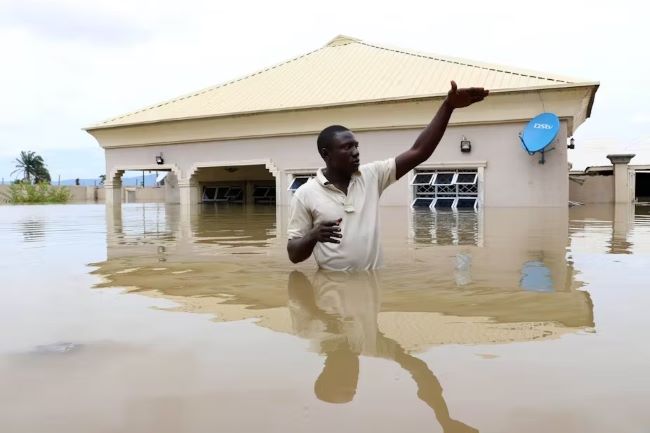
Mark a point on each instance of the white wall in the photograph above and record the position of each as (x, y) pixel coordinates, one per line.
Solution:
(594, 189)
(512, 177)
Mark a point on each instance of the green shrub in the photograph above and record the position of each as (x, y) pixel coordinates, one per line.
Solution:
(25, 192)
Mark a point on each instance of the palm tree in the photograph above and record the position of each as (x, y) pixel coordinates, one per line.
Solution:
(30, 164)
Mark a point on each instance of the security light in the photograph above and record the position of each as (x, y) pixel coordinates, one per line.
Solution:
(159, 159)
(572, 143)
(465, 145)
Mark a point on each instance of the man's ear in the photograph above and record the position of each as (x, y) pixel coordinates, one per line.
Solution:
(323, 152)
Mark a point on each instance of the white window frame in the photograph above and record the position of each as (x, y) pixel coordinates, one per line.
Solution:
(421, 198)
(459, 167)
(216, 193)
(295, 176)
(432, 206)
(267, 188)
(433, 176)
(203, 197)
(471, 197)
(475, 173)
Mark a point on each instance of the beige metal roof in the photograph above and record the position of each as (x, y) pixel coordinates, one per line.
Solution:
(345, 71)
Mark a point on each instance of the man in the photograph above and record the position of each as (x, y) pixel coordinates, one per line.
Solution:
(335, 215)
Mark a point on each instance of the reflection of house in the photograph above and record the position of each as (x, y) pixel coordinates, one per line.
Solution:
(260, 131)
(518, 285)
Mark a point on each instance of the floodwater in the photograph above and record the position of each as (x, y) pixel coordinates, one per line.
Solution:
(150, 319)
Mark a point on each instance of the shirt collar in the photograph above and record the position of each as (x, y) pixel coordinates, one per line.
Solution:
(320, 177)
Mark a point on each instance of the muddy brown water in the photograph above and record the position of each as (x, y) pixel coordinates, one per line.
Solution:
(150, 319)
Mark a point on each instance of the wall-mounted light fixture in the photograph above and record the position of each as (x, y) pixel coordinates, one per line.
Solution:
(572, 143)
(159, 159)
(231, 169)
(465, 145)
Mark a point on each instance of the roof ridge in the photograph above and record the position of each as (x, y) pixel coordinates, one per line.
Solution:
(209, 89)
(463, 62)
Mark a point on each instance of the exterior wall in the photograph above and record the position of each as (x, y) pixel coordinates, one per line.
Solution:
(218, 174)
(594, 189)
(512, 178)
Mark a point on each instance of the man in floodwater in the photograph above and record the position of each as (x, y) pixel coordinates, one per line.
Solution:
(335, 215)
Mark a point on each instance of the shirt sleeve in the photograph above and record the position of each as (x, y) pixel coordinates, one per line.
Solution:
(300, 220)
(386, 172)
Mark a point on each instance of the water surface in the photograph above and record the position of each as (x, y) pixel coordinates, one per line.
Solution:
(153, 319)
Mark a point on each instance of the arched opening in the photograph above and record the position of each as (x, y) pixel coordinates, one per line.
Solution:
(246, 185)
(146, 184)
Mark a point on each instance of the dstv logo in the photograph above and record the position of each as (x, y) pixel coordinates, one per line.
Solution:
(542, 126)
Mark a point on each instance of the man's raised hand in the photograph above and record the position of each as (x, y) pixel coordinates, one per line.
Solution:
(459, 98)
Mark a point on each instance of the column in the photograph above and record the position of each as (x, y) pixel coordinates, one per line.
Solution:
(623, 191)
(189, 193)
(113, 192)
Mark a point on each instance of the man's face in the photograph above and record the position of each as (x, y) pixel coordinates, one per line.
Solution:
(343, 153)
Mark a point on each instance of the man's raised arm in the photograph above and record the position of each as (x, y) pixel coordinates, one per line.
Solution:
(429, 138)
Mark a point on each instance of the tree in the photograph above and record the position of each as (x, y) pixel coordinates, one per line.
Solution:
(102, 179)
(42, 175)
(31, 165)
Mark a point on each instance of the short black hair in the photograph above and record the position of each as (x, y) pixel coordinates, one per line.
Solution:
(327, 135)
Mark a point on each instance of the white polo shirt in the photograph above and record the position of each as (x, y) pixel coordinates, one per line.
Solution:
(318, 200)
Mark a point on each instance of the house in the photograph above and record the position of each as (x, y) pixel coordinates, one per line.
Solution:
(253, 139)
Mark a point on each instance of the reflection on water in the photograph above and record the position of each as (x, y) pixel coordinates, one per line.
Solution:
(516, 284)
(479, 321)
(338, 312)
(446, 227)
(33, 230)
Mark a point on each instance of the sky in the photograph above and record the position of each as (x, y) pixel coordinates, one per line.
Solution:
(67, 64)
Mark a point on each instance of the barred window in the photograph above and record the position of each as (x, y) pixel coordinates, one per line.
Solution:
(445, 189)
(299, 180)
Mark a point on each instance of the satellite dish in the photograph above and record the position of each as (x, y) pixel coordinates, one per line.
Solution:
(540, 133)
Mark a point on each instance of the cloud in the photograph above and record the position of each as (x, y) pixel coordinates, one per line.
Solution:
(73, 63)
(59, 21)
(641, 118)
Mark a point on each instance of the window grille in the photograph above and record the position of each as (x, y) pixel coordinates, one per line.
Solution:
(445, 189)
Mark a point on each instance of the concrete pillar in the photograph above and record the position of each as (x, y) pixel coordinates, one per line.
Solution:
(172, 194)
(248, 193)
(623, 190)
(114, 230)
(113, 193)
(189, 193)
(623, 221)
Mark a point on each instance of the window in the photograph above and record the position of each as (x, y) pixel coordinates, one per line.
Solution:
(222, 194)
(264, 194)
(422, 202)
(299, 180)
(260, 191)
(422, 179)
(443, 203)
(215, 193)
(235, 194)
(466, 203)
(438, 190)
(444, 179)
(209, 193)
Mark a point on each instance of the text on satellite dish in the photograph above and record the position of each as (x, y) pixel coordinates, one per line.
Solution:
(542, 126)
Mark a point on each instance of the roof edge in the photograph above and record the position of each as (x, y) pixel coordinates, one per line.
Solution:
(561, 86)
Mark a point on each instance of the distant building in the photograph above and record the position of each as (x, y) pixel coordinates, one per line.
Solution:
(620, 182)
(254, 139)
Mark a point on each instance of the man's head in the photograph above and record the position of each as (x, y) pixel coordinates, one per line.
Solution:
(339, 149)
(338, 381)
